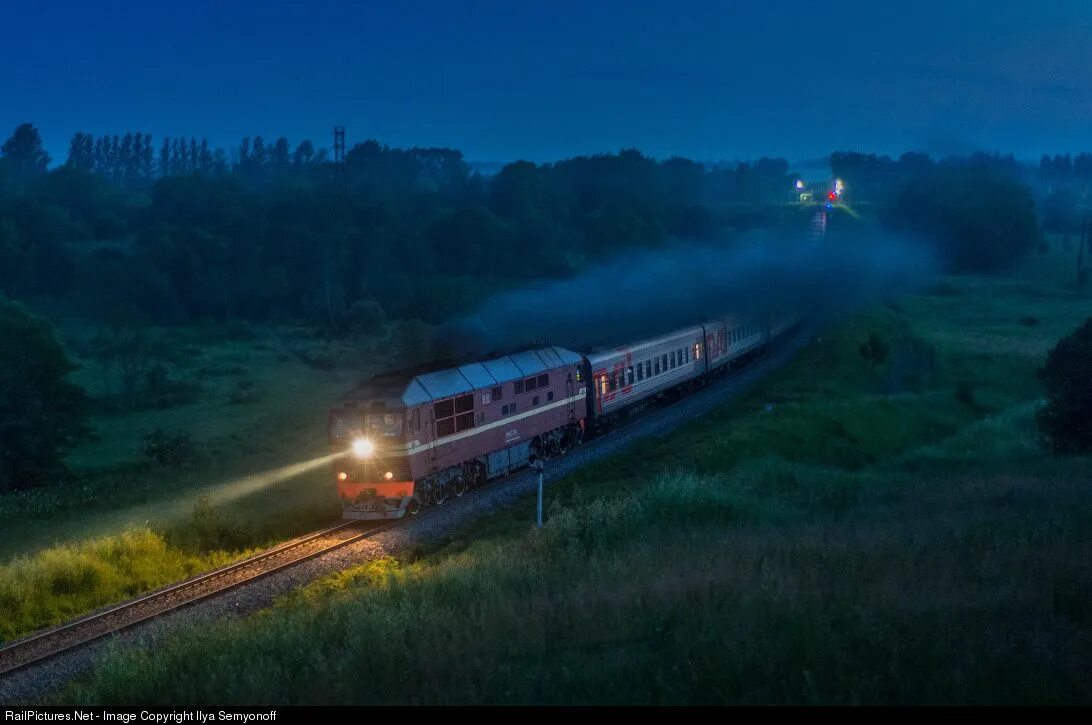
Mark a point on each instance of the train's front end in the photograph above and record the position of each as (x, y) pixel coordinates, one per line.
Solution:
(373, 471)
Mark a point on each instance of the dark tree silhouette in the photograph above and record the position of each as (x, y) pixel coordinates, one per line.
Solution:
(42, 414)
(25, 154)
(1066, 420)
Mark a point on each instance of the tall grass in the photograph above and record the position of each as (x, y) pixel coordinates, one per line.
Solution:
(631, 600)
(63, 582)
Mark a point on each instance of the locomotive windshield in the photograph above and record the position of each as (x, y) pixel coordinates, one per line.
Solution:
(384, 424)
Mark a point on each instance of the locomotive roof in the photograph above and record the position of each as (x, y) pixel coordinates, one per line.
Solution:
(444, 378)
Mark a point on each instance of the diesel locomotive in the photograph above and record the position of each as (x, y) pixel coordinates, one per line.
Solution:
(415, 438)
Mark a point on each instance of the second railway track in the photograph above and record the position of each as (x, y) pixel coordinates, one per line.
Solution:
(51, 642)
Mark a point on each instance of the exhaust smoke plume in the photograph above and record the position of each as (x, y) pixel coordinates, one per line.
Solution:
(649, 292)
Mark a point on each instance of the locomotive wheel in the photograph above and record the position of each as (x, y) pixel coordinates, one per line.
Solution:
(458, 486)
(413, 507)
(439, 494)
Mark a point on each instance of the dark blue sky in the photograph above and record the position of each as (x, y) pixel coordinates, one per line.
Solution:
(521, 79)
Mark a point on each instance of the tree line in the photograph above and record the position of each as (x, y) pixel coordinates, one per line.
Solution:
(275, 231)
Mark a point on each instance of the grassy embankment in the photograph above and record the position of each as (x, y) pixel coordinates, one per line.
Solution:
(125, 524)
(846, 533)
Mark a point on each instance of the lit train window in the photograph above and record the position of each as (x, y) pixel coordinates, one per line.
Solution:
(602, 385)
(697, 351)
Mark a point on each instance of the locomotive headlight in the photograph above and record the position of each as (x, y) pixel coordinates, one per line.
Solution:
(363, 448)
(388, 475)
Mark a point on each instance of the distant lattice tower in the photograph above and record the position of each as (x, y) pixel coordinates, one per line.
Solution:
(339, 147)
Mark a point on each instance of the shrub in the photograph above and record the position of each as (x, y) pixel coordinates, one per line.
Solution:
(366, 317)
(1066, 420)
(165, 449)
(41, 412)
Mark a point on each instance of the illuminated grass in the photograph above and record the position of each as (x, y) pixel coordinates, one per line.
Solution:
(63, 582)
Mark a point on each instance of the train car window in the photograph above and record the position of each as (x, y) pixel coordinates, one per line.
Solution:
(464, 403)
(529, 384)
(518, 387)
(534, 401)
(663, 362)
(648, 368)
(697, 351)
(613, 382)
(543, 381)
(497, 394)
(444, 409)
(672, 360)
(445, 427)
(464, 421)
(549, 396)
(602, 385)
(640, 372)
(629, 375)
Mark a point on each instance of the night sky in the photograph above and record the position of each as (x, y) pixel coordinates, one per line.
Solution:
(541, 81)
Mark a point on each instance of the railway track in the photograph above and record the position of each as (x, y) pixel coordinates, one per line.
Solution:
(52, 642)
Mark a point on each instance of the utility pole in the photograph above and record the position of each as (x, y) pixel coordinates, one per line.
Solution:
(539, 465)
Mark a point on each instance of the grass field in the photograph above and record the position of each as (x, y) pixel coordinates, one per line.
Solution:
(124, 525)
(847, 533)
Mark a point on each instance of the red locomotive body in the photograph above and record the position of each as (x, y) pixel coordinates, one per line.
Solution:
(415, 438)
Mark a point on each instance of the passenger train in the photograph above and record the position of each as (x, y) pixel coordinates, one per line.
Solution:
(416, 438)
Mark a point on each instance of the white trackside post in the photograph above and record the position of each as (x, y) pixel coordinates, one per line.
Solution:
(538, 467)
